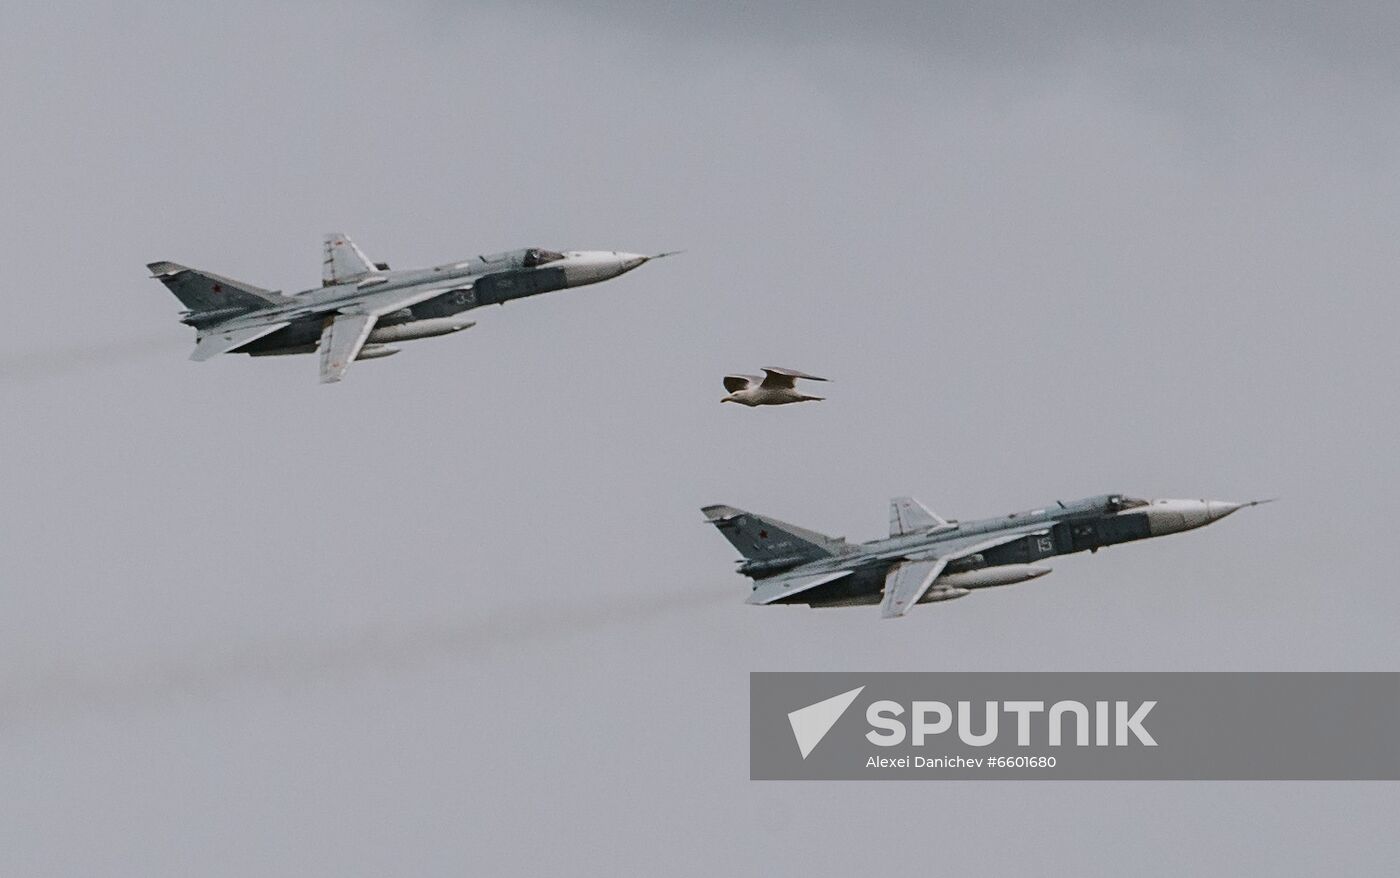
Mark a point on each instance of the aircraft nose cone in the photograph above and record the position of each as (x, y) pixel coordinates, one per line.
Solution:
(1174, 516)
(631, 260)
(1218, 509)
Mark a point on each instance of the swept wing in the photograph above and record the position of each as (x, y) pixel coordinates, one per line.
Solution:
(909, 579)
(354, 320)
(341, 342)
(908, 516)
(342, 261)
(906, 582)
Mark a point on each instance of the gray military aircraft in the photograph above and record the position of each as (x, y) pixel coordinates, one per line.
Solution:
(362, 306)
(927, 558)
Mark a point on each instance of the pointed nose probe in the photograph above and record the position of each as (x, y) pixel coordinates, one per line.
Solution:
(1218, 509)
(629, 261)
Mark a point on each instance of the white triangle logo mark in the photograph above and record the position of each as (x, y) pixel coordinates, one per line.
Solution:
(811, 723)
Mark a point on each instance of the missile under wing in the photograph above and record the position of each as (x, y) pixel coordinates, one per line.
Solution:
(912, 576)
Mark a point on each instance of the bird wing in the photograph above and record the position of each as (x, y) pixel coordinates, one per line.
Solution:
(736, 383)
(777, 378)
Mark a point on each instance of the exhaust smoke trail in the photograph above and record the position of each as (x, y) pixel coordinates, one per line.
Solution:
(56, 362)
(62, 692)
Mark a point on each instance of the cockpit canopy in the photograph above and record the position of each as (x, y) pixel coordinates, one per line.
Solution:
(536, 256)
(1118, 502)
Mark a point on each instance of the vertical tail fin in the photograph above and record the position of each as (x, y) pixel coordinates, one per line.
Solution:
(769, 543)
(211, 297)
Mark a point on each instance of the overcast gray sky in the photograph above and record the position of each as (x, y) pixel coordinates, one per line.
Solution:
(460, 613)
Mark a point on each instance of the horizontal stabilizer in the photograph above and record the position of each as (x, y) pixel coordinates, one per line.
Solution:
(775, 589)
(214, 342)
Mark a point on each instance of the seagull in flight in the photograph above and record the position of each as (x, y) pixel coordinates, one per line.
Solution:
(776, 387)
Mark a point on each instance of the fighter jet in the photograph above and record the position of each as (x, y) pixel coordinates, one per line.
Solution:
(927, 558)
(363, 306)
(776, 387)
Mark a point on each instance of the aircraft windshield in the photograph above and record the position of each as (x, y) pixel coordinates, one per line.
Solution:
(535, 256)
(1118, 503)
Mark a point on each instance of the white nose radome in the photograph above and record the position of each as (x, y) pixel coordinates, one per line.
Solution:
(1218, 509)
(591, 266)
(1173, 516)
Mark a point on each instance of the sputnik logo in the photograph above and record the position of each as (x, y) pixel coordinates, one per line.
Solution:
(811, 723)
